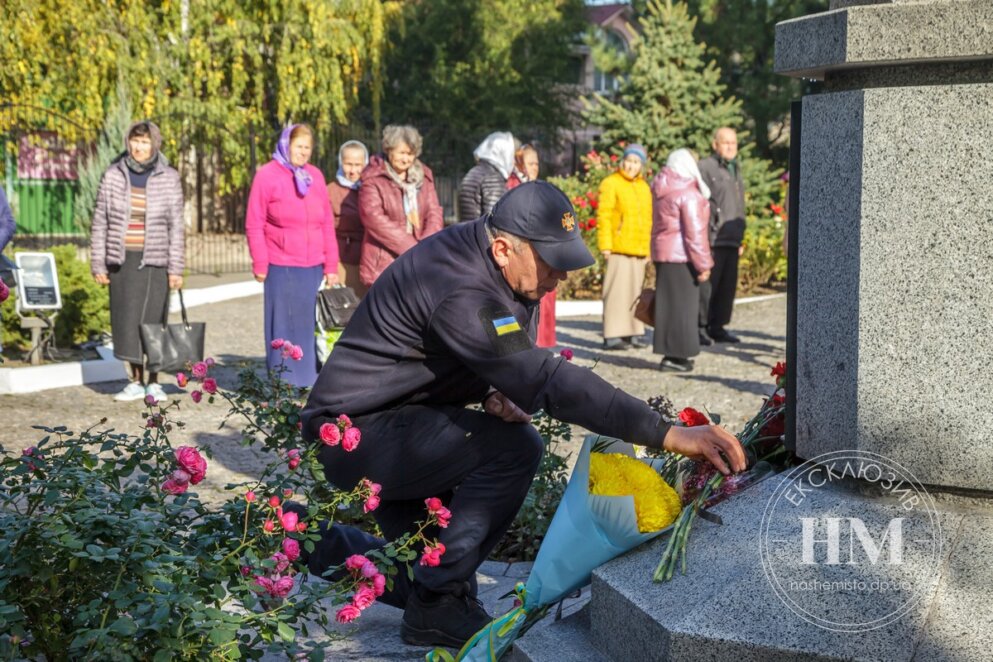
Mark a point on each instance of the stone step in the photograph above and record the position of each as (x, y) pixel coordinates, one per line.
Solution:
(566, 640)
(725, 608)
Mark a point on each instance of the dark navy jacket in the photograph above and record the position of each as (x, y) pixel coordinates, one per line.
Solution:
(441, 326)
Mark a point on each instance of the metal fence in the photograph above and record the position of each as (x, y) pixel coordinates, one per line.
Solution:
(42, 152)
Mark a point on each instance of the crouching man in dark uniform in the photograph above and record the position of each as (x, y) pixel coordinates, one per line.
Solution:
(452, 323)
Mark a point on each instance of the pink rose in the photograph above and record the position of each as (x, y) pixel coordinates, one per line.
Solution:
(301, 527)
(294, 458)
(250, 496)
(371, 504)
(199, 370)
(152, 422)
(31, 451)
(432, 555)
(344, 421)
(287, 493)
(181, 380)
(379, 584)
(369, 570)
(190, 461)
(434, 504)
(351, 439)
(210, 385)
(264, 583)
(172, 486)
(277, 343)
(374, 488)
(282, 586)
(294, 463)
(291, 548)
(444, 515)
(356, 561)
(289, 521)
(296, 353)
(196, 395)
(269, 526)
(347, 614)
(4, 291)
(330, 434)
(282, 562)
(209, 361)
(274, 501)
(150, 400)
(566, 354)
(364, 597)
(245, 571)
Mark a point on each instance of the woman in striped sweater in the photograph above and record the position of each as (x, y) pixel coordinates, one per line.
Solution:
(137, 247)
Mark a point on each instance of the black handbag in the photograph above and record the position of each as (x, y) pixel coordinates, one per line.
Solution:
(335, 306)
(169, 347)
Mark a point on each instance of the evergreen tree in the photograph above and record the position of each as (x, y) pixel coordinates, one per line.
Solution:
(94, 163)
(672, 96)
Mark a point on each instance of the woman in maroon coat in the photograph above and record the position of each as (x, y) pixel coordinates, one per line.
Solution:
(681, 252)
(398, 204)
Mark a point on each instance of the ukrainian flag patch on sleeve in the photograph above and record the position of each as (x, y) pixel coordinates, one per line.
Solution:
(504, 331)
(506, 325)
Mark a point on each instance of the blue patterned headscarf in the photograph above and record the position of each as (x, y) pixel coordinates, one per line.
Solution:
(301, 177)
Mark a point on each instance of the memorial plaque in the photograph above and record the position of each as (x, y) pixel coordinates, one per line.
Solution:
(37, 282)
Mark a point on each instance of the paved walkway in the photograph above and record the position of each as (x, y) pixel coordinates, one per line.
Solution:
(729, 379)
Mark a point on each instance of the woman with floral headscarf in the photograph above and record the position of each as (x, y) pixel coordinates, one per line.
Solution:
(290, 229)
(353, 157)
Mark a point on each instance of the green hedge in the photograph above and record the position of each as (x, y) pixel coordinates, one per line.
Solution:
(85, 306)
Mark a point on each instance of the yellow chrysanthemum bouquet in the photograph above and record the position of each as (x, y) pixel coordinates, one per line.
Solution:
(656, 504)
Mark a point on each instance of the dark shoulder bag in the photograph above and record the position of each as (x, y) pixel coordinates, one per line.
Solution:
(335, 306)
(169, 347)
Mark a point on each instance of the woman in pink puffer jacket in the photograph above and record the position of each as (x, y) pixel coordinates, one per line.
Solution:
(681, 252)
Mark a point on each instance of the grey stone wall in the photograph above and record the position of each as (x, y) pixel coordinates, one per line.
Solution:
(895, 298)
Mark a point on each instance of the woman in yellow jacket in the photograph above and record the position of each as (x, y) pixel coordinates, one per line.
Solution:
(624, 228)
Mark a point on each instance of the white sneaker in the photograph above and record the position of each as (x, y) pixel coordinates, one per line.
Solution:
(133, 391)
(157, 392)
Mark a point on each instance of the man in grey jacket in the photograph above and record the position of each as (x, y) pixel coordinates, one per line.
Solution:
(722, 173)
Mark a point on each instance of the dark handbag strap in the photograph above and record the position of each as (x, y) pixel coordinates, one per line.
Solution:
(182, 308)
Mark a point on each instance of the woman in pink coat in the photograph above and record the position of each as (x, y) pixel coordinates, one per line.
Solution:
(290, 229)
(681, 252)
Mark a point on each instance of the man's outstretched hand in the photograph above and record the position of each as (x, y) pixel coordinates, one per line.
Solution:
(707, 442)
(497, 404)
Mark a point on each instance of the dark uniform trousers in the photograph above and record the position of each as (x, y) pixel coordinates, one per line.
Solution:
(717, 294)
(480, 466)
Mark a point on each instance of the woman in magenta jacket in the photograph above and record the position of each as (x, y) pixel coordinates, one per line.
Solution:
(681, 252)
(398, 204)
(290, 229)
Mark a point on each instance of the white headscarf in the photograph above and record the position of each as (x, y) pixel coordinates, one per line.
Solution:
(345, 181)
(497, 149)
(682, 163)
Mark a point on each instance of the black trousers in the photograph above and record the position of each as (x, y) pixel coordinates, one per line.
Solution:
(676, 300)
(717, 294)
(480, 466)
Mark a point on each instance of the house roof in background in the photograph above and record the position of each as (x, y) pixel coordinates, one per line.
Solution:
(600, 14)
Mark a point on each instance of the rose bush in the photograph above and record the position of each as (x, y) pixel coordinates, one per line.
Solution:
(107, 552)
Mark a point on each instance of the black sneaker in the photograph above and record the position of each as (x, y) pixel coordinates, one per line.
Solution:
(723, 336)
(616, 344)
(676, 365)
(442, 619)
(705, 340)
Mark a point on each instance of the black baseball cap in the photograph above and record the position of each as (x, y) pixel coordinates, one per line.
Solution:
(542, 214)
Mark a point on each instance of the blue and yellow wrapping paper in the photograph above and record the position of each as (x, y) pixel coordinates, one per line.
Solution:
(586, 532)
